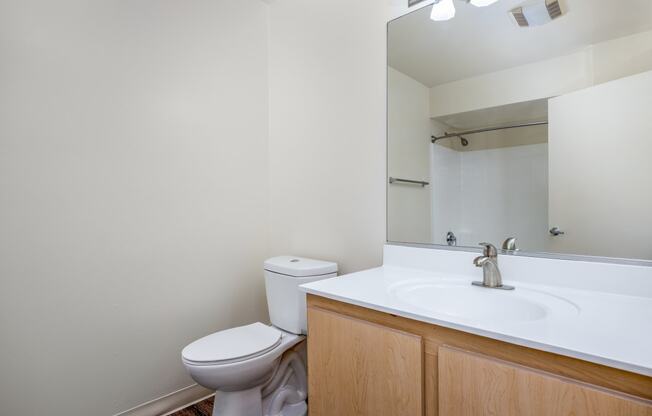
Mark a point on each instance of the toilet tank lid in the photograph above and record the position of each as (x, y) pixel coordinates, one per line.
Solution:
(299, 266)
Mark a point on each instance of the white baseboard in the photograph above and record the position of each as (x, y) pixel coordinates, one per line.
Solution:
(170, 403)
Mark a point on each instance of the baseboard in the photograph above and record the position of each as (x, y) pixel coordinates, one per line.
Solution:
(170, 402)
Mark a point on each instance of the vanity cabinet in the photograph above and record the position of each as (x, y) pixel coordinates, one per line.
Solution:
(473, 384)
(365, 362)
(360, 368)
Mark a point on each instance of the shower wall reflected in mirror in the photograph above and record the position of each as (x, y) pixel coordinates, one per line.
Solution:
(542, 133)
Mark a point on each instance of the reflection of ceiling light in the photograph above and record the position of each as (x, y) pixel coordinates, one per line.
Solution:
(482, 3)
(442, 10)
(445, 9)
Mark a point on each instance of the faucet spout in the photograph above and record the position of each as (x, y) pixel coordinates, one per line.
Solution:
(480, 261)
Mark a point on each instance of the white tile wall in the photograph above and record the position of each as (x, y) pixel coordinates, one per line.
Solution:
(489, 195)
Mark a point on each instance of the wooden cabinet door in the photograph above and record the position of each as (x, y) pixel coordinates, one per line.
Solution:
(475, 385)
(356, 368)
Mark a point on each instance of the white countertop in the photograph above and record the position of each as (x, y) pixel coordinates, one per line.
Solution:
(613, 329)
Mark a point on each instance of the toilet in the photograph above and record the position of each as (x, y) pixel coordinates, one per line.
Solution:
(259, 369)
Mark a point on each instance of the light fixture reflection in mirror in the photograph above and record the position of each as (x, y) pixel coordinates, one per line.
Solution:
(442, 10)
(482, 3)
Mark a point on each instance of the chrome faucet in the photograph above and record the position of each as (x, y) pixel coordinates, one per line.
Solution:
(491, 277)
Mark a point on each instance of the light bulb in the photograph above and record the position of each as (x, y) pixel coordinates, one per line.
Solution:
(482, 3)
(443, 10)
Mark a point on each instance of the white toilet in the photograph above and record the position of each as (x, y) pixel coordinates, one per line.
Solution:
(251, 367)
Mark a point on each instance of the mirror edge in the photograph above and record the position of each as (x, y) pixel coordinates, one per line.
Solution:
(401, 12)
(542, 255)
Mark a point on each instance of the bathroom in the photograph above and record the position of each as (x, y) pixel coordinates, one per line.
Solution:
(159, 158)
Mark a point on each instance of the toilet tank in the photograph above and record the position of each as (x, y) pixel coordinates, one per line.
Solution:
(285, 300)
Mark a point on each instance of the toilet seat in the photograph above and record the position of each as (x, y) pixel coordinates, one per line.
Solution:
(232, 345)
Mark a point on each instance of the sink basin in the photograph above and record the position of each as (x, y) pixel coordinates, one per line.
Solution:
(478, 304)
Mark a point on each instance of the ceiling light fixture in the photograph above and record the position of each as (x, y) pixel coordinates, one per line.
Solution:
(482, 3)
(442, 10)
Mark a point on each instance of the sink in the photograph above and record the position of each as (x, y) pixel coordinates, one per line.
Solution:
(477, 304)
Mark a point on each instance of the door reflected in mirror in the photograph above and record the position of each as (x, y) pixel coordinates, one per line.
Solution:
(538, 132)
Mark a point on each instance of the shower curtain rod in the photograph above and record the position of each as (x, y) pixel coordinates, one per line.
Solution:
(466, 133)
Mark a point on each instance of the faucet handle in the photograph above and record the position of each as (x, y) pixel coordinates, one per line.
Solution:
(510, 244)
(489, 250)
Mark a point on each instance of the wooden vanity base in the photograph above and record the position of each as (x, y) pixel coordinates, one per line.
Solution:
(363, 362)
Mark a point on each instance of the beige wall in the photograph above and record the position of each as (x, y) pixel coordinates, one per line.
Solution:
(595, 64)
(408, 147)
(600, 169)
(327, 135)
(523, 83)
(144, 178)
(133, 194)
(622, 57)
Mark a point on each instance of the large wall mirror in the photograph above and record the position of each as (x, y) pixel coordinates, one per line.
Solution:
(529, 119)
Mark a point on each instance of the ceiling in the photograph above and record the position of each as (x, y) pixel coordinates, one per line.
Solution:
(484, 40)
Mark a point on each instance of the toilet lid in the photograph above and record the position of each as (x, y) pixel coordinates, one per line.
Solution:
(233, 344)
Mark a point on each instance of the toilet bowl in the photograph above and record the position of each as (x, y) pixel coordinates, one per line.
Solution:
(243, 365)
(258, 369)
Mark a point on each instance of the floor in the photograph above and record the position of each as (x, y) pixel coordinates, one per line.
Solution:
(203, 408)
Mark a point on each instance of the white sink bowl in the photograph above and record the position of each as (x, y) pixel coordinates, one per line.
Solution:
(482, 305)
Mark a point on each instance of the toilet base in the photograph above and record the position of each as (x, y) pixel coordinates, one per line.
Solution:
(284, 394)
(238, 403)
(299, 409)
(249, 403)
